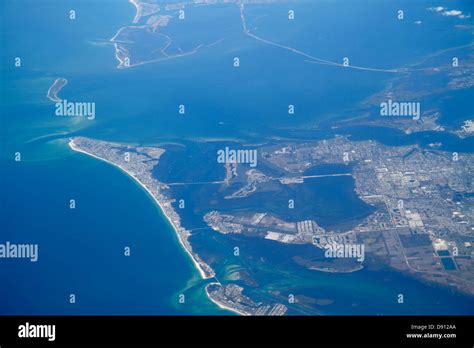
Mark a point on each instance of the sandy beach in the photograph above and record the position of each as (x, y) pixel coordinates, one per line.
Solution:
(220, 305)
(196, 263)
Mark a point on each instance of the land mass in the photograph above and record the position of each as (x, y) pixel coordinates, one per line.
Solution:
(55, 88)
(138, 163)
(419, 219)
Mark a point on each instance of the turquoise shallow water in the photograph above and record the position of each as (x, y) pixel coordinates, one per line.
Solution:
(81, 251)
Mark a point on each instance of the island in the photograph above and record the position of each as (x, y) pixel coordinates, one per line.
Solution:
(55, 88)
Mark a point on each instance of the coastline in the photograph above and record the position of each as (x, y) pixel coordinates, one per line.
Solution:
(55, 88)
(198, 266)
(150, 10)
(138, 8)
(219, 304)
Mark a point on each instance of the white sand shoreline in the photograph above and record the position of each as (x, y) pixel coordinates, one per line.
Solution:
(198, 266)
(195, 262)
(223, 306)
(53, 95)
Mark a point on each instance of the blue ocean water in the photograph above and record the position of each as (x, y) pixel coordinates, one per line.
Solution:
(81, 251)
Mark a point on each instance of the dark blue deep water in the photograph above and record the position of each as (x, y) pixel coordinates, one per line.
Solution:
(81, 250)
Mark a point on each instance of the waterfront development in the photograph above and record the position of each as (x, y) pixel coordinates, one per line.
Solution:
(415, 227)
(139, 164)
(238, 158)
